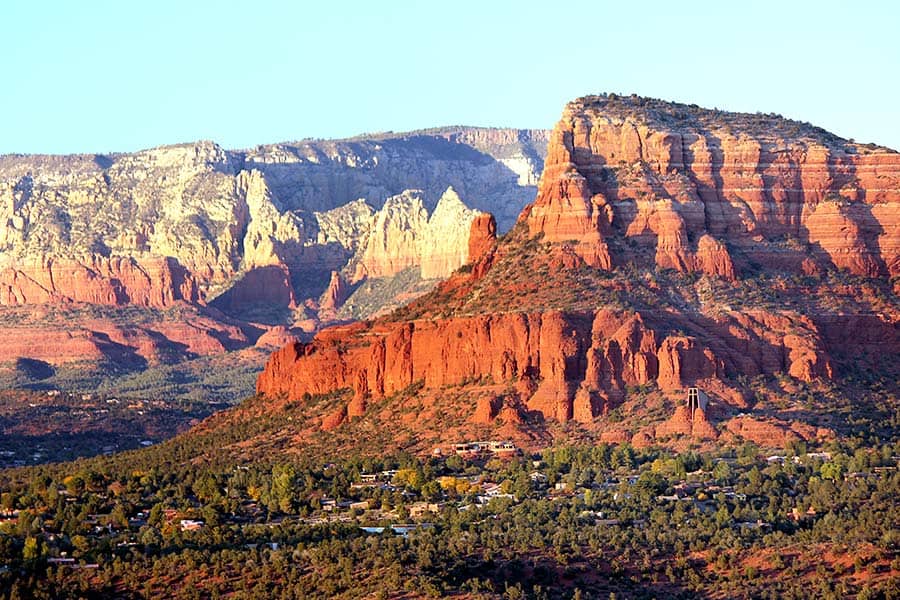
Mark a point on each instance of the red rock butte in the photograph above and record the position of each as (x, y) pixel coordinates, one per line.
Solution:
(701, 190)
(633, 183)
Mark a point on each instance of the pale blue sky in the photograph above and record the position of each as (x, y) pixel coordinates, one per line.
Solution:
(96, 76)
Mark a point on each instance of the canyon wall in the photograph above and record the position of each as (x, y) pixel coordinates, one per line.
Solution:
(127, 261)
(98, 224)
(154, 281)
(402, 235)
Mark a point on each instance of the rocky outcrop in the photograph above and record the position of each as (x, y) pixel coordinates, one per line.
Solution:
(682, 359)
(272, 236)
(336, 294)
(445, 245)
(701, 427)
(566, 211)
(275, 338)
(346, 225)
(770, 432)
(392, 245)
(767, 433)
(156, 282)
(487, 408)
(679, 187)
(712, 258)
(482, 237)
(572, 365)
(402, 235)
(682, 422)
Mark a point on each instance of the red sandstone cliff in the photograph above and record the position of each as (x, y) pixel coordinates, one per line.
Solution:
(156, 282)
(687, 187)
(576, 363)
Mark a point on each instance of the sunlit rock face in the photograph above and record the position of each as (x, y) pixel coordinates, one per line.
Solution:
(632, 179)
(187, 222)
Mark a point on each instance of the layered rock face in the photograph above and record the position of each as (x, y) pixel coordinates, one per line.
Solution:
(482, 236)
(98, 341)
(218, 214)
(645, 181)
(684, 422)
(154, 282)
(270, 241)
(403, 235)
(565, 364)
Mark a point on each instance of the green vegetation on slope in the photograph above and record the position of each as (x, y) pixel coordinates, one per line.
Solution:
(574, 522)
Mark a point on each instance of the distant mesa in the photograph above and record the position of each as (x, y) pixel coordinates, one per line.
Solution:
(371, 206)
